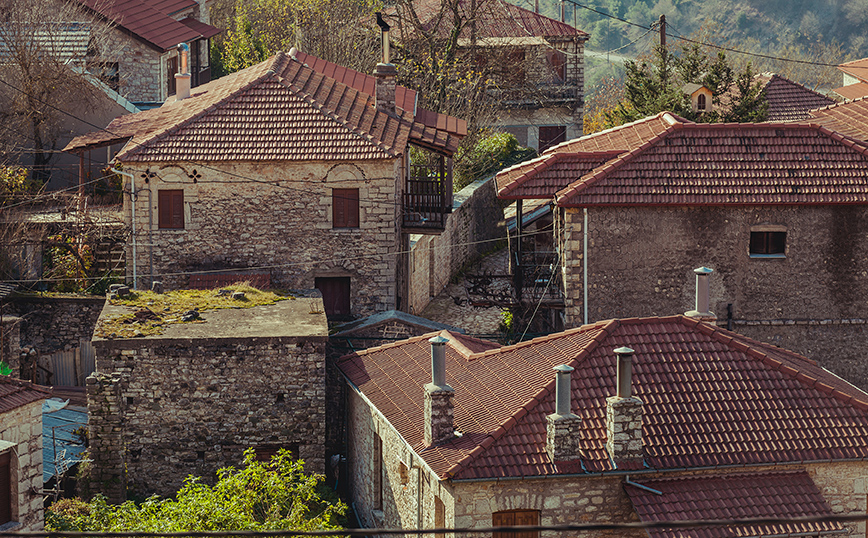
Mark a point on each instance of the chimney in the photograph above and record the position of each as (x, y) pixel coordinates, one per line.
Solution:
(702, 312)
(624, 415)
(439, 408)
(385, 72)
(182, 78)
(563, 430)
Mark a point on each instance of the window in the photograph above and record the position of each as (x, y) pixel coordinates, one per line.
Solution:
(345, 208)
(701, 102)
(109, 73)
(5, 487)
(264, 453)
(551, 136)
(439, 516)
(335, 295)
(768, 243)
(171, 209)
(557, 61)
(171, 69)
(515, 517)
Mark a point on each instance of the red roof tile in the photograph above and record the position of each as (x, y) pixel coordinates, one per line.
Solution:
(279, 109)
(624, 137)
(145, 21)
(850, 118)
(15, 393)
(781, 495)
(853, 91)
(856, 68)
(544, 176)
(711, 397)
(731, 164)
(170, 7)
(788, 100)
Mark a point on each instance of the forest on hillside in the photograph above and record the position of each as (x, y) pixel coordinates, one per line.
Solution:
(812, 31)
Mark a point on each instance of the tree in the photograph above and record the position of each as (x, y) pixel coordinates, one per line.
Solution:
(47, 50)
(259, 496)
(650, 88)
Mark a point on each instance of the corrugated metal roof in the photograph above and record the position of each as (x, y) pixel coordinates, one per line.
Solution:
(61, 449)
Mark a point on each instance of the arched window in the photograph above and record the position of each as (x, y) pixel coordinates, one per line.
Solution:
(700, 102)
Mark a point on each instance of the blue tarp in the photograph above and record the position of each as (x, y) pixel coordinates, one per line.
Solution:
(61, 449)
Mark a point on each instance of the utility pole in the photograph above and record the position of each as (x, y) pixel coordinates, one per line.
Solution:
(663, 31)
(563, 13)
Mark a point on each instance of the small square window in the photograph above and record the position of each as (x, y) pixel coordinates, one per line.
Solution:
(768, 244)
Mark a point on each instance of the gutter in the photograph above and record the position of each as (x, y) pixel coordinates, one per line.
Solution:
(133, 197)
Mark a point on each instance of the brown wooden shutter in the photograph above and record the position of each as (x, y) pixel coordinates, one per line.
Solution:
(515, 517)
(345, 208)
(171, 69)
(171, 209)
(5, 488)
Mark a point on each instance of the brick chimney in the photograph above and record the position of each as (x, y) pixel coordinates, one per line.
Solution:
(439, 408)
(563, 427)
(182, 78)
(385, 72)
(624, 415)
(702, 311)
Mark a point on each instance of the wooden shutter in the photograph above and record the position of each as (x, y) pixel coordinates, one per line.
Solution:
(515, 517)
(345, 208)
(557, 61)
(171, 209)
(5, 488)
(171, 69)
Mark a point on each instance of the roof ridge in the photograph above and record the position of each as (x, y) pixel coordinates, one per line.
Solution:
(390, 345)
(523, 178)
(541, 339)
(665, 115)
(791, 370)
(156, 136)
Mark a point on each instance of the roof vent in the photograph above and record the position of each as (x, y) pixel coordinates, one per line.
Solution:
(702, 311)
(182, 78)
(563, 428)
(439, 407)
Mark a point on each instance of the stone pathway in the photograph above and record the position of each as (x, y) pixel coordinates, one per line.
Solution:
(451, 306)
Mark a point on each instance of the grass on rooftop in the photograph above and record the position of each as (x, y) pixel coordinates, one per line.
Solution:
(168, 308)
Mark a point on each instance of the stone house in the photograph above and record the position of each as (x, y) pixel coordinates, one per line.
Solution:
(296, 167)
(20, 455)
(536, 65)
(855, 79)
(192, 399)
(635, 420)
(764, 205)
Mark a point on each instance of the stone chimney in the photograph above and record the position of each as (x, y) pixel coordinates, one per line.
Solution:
(563, 433)
(702, 311)
(439, 408)
(624, 415)
(385, 72)
(182, 78)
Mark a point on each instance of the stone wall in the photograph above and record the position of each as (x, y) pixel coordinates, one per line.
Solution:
(55, 323)
(141, 68)
(811, 301)
(191, 406)
(472, 229)
(22, 426)
(282, 222)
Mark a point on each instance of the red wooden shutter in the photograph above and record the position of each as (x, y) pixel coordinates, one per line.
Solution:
(5, 488)
(171, 209)
(345, 208)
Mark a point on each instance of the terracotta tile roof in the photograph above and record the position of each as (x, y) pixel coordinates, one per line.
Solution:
(788, 100)
(496, 19)
(624, 137)
(850, 118)
(711, 397)
(733, 496)
(170, 7)
(856, 68)
(15, 393)
(544, 176)
(145, 21)
(853, 91)
(731, 164)
(206, 30)
(276, 110)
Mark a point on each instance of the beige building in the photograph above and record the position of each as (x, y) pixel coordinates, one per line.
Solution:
(637, 420)
(283, 170)
(20, 455)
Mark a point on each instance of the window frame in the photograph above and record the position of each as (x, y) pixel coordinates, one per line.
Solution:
(346, 213)
(508, 518)
(771, 241)
(171, 217)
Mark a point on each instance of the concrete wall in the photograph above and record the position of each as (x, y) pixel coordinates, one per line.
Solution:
(281, 222)
(22, 426)
(191, 406)
(55, 323)
(477, 218)
(641, 263)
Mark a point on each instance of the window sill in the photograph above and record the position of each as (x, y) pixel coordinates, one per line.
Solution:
(768, 256)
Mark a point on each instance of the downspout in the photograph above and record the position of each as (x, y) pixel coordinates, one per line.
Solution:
(133, 219)
(585, 263)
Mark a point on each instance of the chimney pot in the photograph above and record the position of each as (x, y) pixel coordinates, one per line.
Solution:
(563, 428)
(563, 390)
(625, 372)
(182, 78)
(438, 360)
(702, 310)
(439, 406)
(624, 415)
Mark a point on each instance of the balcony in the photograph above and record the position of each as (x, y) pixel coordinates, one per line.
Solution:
(428, 196)
(539, 95)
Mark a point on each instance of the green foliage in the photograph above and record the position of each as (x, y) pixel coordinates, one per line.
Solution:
(242, 47)
(493, 152)
(68, 262)
(5, 369)
(260, 496)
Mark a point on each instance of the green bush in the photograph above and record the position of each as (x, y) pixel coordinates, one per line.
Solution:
(259, 496)
(493, 152)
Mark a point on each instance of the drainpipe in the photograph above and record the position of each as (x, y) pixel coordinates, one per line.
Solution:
(133, 207)
(585, 263)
